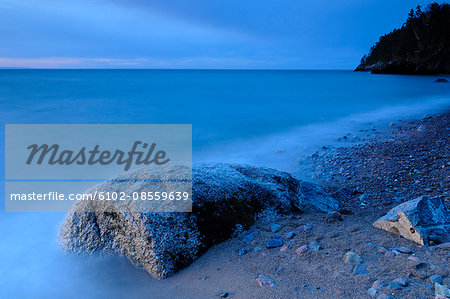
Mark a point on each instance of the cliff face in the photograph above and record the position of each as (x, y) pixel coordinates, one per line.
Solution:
(421, 46)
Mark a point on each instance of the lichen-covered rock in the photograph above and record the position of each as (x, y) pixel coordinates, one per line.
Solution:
(421, 220)
(223, 195)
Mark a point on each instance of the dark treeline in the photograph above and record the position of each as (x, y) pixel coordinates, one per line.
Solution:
(420, 46)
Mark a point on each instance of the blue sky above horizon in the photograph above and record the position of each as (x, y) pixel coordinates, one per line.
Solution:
(218, 34)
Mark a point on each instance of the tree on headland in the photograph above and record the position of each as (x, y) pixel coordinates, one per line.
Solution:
(420, 46)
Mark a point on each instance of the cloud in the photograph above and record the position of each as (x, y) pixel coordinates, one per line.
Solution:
(193, 34)
(70, 62)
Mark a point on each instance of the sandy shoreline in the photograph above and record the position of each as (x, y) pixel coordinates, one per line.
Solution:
(368, 179)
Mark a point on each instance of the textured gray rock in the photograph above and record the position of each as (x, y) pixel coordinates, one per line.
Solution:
(274, 243)
(441, 290)
(352, 258)
(421, 220)
(224, 195)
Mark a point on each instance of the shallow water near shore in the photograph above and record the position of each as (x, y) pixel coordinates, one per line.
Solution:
(271, 118)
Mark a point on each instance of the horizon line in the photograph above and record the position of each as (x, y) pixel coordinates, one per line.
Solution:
(179, 69)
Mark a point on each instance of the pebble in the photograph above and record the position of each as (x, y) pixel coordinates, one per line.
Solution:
(372, 292)
(314, 246)
(275, 227)
(360, 270)
(248, 237)
(304, 228)
(273, 243)
(302, 249)
(352, 258)
(289, 235)
(284, 248)
(421, 271)
(402, 281)
(421, 128)
(333, 216)
(243, 251)
(381, 249)
(394, 285)
(441, 290)
(404, 250)
(378, 284)
(436, 279)
(224, 295)
(266, 282)
(257, 248)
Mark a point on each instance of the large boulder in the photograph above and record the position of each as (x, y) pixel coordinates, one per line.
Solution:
(421, 220)
(223, 195)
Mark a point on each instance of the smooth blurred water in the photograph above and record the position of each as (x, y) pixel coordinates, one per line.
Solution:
(237, 116)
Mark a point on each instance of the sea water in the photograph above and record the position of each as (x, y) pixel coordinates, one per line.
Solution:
(269, 118)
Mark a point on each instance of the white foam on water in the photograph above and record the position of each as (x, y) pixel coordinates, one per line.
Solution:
(286, 150)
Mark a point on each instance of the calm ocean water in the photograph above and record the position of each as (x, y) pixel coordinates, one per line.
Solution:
(271, 118)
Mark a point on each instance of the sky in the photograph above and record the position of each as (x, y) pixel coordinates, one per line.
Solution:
(194, 34)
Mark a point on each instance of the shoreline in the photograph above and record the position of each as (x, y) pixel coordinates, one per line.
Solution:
(361, 176)
(407, 159)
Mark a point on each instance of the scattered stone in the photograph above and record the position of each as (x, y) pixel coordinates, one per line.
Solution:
(289, 235)
(381, 249)
(441, 80)
(304, 228)
(404, 250)
(302, 249)
(224, 295)
(378, 284)
(436, 279)
(441, 290)
(359, 270)
(372, 292)
(275, 227)
(248, 237)
(273, 243)
(314, 246)
(266, 282)
(421, 128)
(313, 199)
(417, 219)
(421, 271)
(284, 248)
(333, 216)
(393, 285)
(257, 248)
(243, 251)
(352, 258)
(402, 281)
